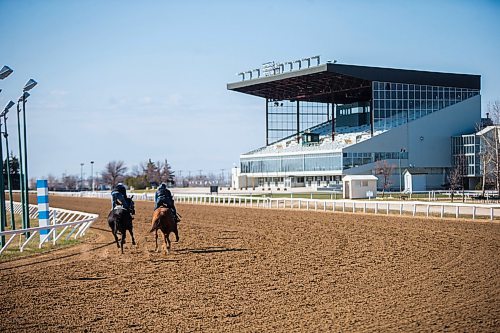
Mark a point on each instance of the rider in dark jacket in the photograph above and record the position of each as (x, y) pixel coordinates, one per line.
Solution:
(164, 197)
(119, 196)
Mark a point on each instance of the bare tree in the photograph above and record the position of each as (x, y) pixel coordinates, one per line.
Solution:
(457, 174)
(70, 182)
(385, 169)
(52, 182)
(114, 172)
(490, 149)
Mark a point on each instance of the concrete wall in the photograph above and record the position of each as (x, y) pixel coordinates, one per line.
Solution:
(428, 139)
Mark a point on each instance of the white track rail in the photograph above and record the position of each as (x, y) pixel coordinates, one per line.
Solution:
(414, 208)
(71, 222)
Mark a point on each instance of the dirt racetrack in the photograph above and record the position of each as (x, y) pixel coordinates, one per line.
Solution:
(251, 270)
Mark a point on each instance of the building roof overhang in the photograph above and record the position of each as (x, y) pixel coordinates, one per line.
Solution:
(343, 84)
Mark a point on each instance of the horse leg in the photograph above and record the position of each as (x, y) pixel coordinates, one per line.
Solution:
(116, 239)
(156, 240)
(124, 234)
(176, 233)
(132, 235)
(167, 243)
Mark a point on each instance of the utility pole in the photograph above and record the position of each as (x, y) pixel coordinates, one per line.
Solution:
(92, 175)
(222, 176)
(81, 176)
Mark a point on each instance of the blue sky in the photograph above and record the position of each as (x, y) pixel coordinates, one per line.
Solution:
(132, 80)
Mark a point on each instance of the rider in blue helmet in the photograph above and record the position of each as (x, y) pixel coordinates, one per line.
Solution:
(164, 197)
(119, 196)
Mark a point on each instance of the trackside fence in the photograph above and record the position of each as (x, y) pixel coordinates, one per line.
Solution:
(63, 224)
(413, 208)
(409, 208)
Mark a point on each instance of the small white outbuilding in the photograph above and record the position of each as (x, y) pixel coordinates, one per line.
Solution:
(415, 179)
(360, 186)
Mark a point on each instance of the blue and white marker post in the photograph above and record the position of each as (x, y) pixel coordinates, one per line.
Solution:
(42, 190)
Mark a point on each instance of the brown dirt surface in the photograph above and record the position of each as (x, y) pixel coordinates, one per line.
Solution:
(256, 270)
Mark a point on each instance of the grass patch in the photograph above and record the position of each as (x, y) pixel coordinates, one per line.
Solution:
(12, 252)
(18, 222)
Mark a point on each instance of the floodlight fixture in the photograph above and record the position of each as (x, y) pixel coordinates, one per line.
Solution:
(9, 105)
(29, 85)
(5, 71)
(24, 97)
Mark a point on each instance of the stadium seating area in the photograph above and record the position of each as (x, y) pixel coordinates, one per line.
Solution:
(344, 137)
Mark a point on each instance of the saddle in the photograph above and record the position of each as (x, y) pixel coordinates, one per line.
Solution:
(177, 217)
(120, 207)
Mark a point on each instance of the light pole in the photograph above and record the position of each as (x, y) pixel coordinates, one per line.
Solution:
(4, 72)
(402, 150)
(27, 87)
(81, 176)
(92, 175)
(2, 197)
(21, 167)
(9, 179)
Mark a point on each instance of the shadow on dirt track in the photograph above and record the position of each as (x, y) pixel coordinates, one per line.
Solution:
(212, 249)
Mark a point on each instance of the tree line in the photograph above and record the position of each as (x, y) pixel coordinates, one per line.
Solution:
(146, 174)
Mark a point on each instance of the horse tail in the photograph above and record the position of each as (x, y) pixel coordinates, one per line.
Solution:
(156, 223)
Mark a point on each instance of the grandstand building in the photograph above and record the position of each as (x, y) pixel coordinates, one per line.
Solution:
(330, 120)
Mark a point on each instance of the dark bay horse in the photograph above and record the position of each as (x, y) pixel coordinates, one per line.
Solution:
(163, 220)
(120, 220)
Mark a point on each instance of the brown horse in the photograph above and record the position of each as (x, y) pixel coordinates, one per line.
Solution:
(163, 220)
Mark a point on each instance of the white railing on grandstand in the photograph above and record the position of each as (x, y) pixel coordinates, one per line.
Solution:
(72, 223)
